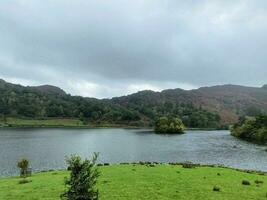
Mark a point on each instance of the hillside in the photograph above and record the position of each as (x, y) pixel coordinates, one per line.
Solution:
(229, 101)
(52, 102)
(207, 107)
(49, 89)
(232, 101)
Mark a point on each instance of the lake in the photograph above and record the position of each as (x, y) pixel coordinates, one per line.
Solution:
(46, 148)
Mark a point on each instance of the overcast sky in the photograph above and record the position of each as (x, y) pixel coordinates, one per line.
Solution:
(101, 48)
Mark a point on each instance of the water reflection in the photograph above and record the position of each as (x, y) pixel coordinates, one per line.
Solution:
(47, 148)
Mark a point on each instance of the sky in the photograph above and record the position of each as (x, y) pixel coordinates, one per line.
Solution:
(102, 49)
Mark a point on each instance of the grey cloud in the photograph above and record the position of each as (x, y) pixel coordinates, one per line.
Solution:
(124, 42)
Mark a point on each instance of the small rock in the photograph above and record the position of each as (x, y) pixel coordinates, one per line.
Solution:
(245, 182)
(258, 182)
(216, 189)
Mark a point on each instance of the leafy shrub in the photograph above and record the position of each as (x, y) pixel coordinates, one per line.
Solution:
(23, 164)
(24, 181)
(245, 182)
(258, 182)
(83, 178)
(251, 129)
(216, 189)
(188, 165)
(124, 163)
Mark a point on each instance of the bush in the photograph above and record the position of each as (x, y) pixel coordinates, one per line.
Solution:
(258, 182)
(188, 165)
(245, 182)
(83, 178)
(24, 181)
(251, 129)
(216, 189)
(23, 164)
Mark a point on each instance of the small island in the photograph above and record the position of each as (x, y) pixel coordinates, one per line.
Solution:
(251, 129)
(169, 125)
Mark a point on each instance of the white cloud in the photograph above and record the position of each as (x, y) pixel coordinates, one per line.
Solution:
(100, 48)
(20, 81)
(91, 89)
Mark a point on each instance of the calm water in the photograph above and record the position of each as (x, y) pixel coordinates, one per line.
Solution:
(47, 148)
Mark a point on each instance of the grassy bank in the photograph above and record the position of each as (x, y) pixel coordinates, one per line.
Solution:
(11, 122)
(146, 182)
(54, 123)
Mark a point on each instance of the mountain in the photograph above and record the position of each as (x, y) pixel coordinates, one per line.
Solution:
(229, 101)
(232, 101)
(52, 102)
(46, 89)
(49, 89)
(214, 106)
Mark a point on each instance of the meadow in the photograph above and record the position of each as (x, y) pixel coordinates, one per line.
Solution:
(160, 182)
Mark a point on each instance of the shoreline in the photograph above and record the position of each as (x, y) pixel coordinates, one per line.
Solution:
(150, 163)
(41, 126)
(74, 123)
(69, 127)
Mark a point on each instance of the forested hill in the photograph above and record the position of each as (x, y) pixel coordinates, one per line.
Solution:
(205, 107)
(229, 101)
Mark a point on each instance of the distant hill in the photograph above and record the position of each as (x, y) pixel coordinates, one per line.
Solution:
(232, 101)
(204, 107)
(229, 101)
(49, 89)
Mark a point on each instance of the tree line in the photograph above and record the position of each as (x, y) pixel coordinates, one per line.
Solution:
(251, 129)
(30, 102)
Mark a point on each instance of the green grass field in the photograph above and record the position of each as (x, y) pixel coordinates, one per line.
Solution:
(55, 123)
(144, 182)
(17, 122)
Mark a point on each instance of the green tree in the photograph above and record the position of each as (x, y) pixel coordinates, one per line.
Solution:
(23, 164)
(251, 129)
(169, 125)
(83, 178)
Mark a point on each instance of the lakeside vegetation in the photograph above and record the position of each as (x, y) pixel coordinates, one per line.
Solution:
(169, 125)
(252, 129)
(11, 122)
(51, 106)
(146, 182)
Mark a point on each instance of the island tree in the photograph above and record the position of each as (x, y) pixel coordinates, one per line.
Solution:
(169, 125)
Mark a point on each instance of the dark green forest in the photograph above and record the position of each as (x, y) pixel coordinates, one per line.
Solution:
(253, 129)
(51, 102)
